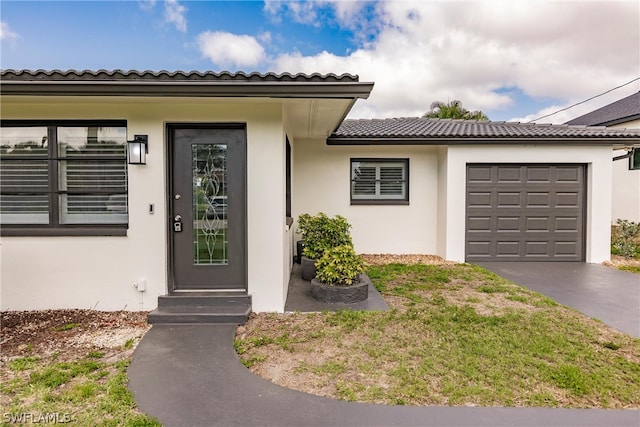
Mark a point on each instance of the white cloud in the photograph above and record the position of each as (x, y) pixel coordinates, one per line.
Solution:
(297, 11)
(147, 4)
(265, 37)
(7, 34)
(231, 50)
(174, 14)
(426, 51)
(573, 109)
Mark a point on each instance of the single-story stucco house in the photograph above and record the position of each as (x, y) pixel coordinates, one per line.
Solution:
(623, 113)
(121, 187)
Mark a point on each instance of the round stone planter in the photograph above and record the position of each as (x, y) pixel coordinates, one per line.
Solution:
(307, 268)
(357, 292)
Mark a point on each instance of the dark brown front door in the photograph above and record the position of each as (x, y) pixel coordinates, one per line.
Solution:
(208, 207)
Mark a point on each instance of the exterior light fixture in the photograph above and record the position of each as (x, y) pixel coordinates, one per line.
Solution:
(138, 149)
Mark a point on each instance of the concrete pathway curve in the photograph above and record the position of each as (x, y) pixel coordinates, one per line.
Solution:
(607, 294)
(189, 375)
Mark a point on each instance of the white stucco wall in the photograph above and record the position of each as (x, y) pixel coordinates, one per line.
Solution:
(626, 184)
(99, 272)
(443, 159)
(598, 212)
(322, 184)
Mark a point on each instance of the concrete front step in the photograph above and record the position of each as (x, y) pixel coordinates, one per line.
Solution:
(201, 308)
(204, 299)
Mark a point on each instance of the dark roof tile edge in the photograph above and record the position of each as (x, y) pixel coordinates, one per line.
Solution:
(363, 129)
(40, 74)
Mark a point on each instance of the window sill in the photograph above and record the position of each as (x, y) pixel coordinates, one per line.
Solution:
(71, 231)
(380, 202)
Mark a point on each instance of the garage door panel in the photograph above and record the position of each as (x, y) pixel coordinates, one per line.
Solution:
(567, 224)
(479, 199)
(566, 249)
(479, 248)
(538, 199)
(479, 224)
(508, 224)
(536, 248)
(568, 199)
(480, 174)
(538, 223)
(539, 174)
(525, 212)
(568, 174)
(508, 249)
(509, 174)
(508, 199)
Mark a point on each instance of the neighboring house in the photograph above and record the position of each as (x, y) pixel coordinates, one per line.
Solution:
(233, 159)
(624, 113)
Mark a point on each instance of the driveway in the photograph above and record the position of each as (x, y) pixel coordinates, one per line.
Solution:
(610, 295)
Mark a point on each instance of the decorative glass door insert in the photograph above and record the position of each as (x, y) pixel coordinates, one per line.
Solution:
(209, 198)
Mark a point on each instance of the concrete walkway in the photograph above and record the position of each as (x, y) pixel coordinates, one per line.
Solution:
(604, 293)
(189, 375)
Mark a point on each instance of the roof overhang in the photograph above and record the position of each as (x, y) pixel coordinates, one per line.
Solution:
(264, 89)
(620, 120)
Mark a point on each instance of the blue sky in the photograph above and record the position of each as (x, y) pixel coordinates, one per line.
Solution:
(515, 60)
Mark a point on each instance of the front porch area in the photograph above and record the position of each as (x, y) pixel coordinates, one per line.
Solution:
(299, 298)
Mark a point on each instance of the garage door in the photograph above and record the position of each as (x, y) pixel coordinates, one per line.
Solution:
(518, 212)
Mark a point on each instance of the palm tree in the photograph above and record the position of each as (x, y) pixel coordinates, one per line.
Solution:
(453, 110)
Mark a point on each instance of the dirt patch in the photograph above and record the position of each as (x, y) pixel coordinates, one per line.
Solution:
(618, 261)
(70, 334)
(379, 259)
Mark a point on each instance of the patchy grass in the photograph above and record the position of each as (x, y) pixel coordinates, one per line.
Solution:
(83, 392)
(66, 327)
(456, 335)
(631, 268)
(53, 370)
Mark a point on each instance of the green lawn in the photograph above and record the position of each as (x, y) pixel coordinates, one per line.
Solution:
(457, 335)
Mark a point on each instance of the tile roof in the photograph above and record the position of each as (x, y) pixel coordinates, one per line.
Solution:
(177, 76)
(181, 83)
(623, 110)
(425, 130)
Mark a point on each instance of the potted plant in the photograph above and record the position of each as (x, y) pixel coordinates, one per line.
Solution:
(340, 276)
(319, 233)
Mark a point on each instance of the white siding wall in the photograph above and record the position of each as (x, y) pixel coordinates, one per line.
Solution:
(99, 272)
(626, 184)
(322, 184)
(598, 212)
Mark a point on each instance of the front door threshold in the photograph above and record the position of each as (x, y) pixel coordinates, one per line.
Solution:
(202, 308)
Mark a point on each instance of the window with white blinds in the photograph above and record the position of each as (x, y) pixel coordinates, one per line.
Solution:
(379, 181)
(57, 175)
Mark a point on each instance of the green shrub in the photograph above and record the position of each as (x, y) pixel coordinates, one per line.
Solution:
(321, 232)
(339, 266)
(625, 238)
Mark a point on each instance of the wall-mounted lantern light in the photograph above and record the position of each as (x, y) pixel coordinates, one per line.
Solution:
(138, 149)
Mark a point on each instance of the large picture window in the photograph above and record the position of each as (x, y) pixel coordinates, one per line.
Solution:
(63, 177)
(379, 181)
